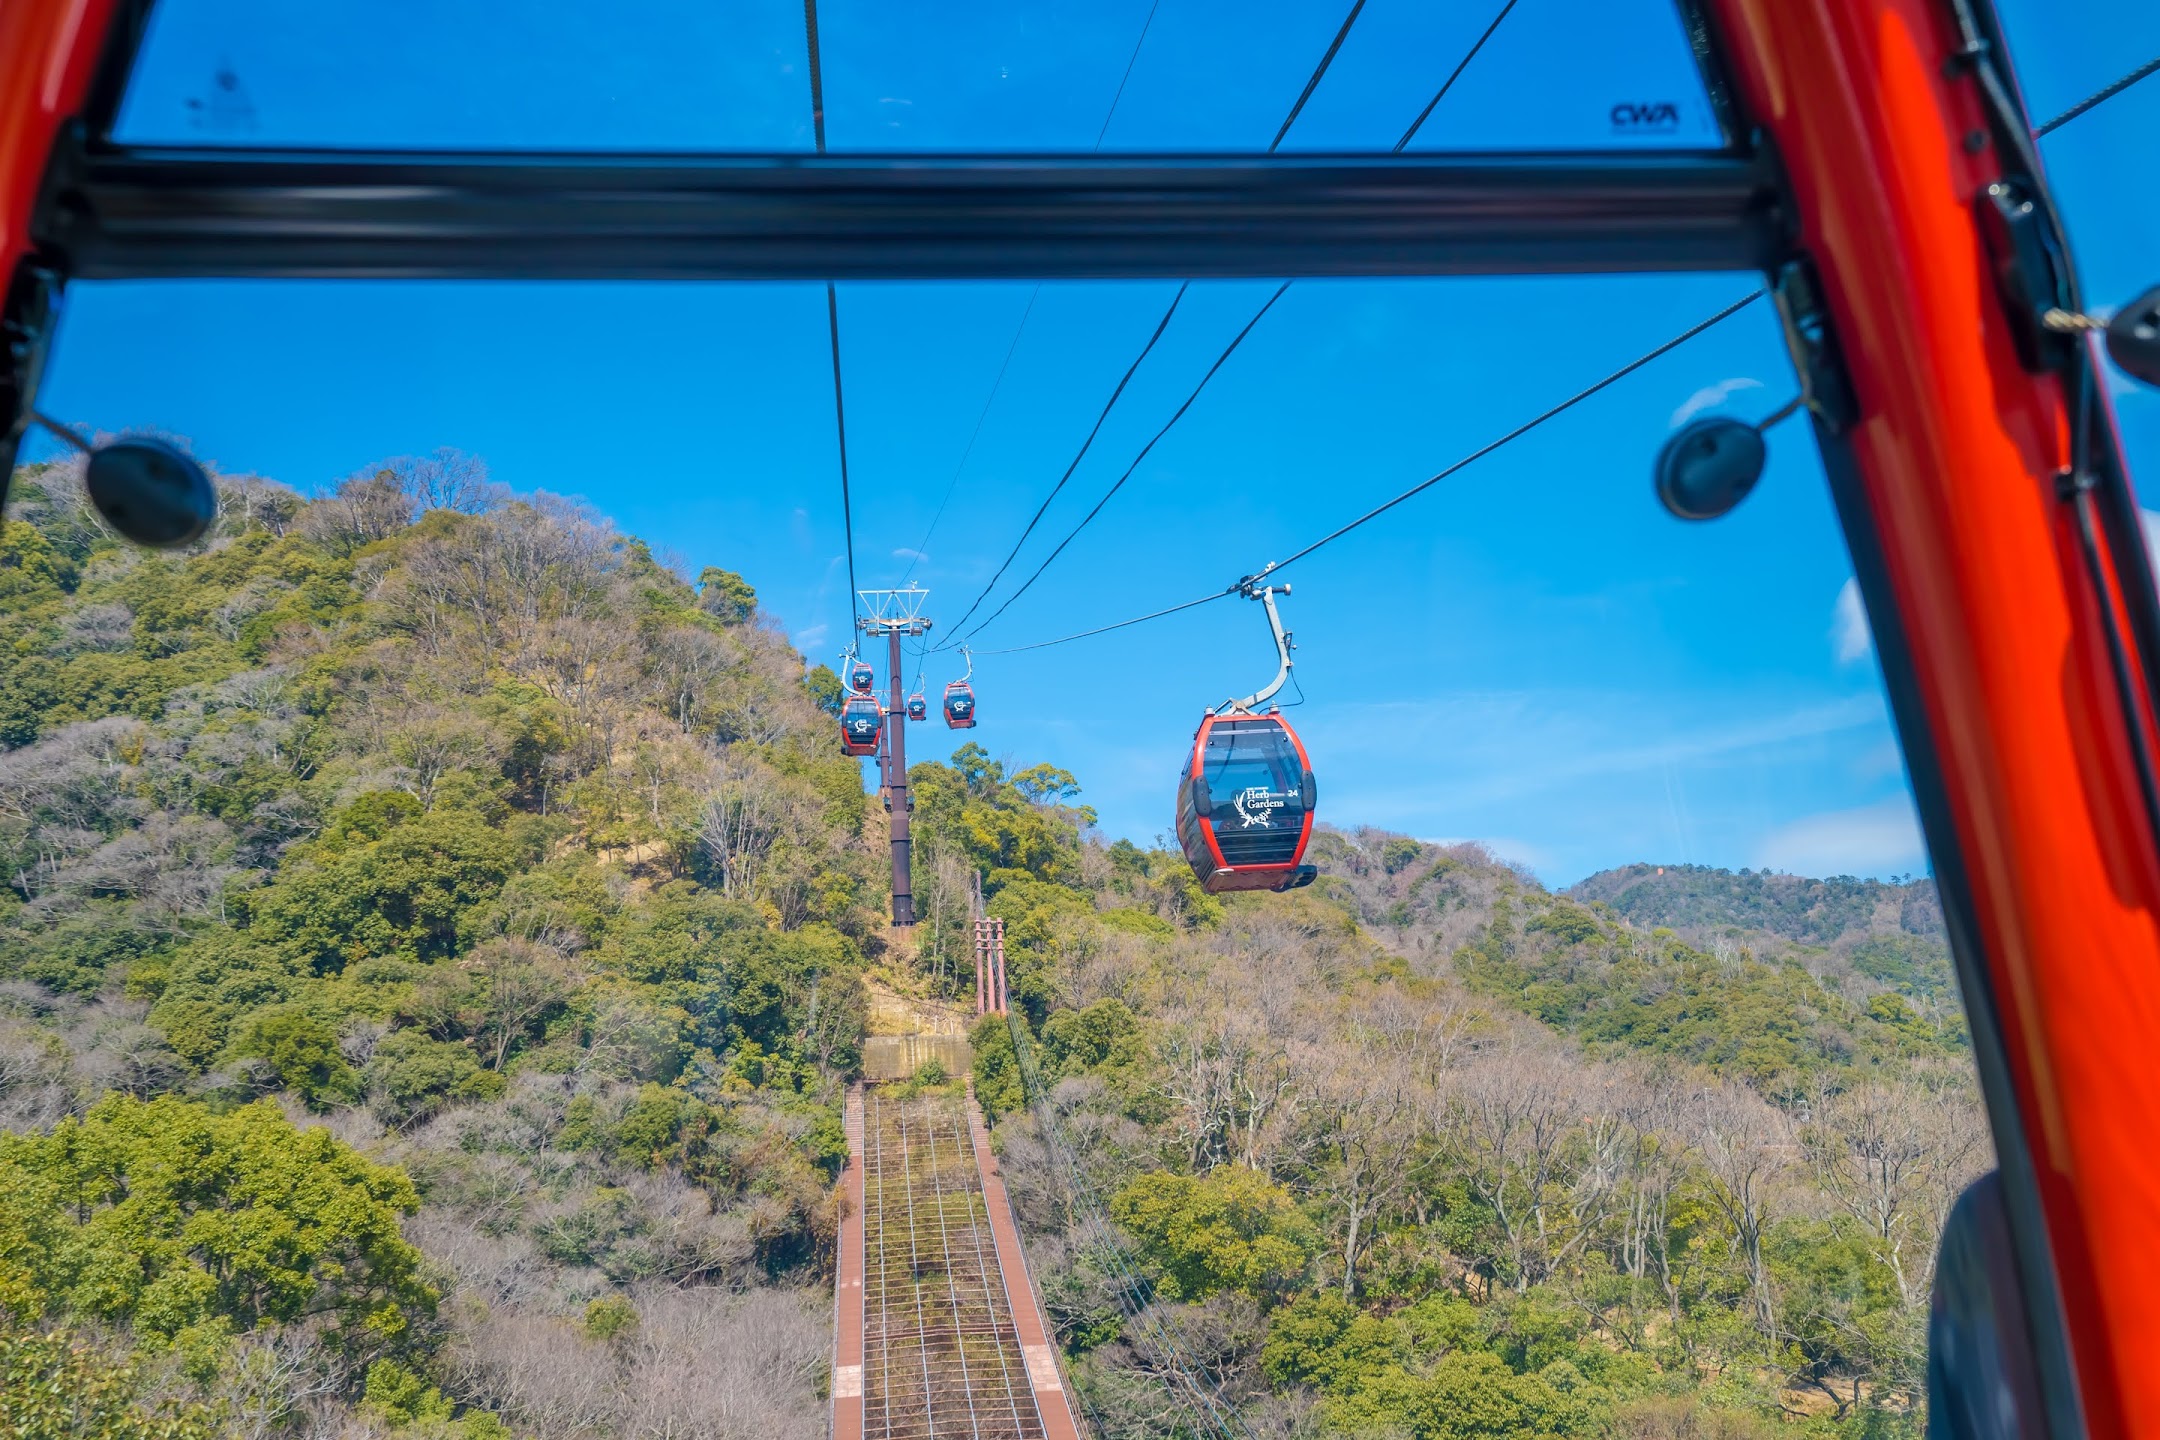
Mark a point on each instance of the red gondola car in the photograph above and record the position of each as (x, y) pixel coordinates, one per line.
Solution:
(1245, 804)
(1246, 794)
(960, 706)
(862, 724)
(861, 678)
(917, 707)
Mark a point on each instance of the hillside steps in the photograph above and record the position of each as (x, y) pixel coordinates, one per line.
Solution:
(937, 1329)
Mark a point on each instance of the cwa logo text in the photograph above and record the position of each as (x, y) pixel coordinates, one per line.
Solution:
(1655, 115)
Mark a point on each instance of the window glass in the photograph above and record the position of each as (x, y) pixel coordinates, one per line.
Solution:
(1127, 76)
(476, 794)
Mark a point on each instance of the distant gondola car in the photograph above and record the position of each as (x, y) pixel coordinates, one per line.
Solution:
(861, 678)
(960, 706)
(1245, 804)
(861, 724)
(917, 707)
(1246, 794)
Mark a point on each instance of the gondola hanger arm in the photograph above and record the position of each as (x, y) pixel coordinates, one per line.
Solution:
(1265, 594)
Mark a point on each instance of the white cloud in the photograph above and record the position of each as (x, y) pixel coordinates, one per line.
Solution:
(903, 553)
(1849, 632)
(1710, 397)
(1875, 839)
(815, 635)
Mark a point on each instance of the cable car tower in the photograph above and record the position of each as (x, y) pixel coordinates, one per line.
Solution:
(893, 614)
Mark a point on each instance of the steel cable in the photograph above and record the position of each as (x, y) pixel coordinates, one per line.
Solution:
(1312, 84)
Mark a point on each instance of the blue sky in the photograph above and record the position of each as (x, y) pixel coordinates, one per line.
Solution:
(1531, 654)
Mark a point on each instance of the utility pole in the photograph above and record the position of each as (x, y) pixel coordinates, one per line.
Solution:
(892, 614)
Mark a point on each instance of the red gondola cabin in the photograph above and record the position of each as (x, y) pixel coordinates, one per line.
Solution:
(959, 706)
(862, 723)
(1245, 804)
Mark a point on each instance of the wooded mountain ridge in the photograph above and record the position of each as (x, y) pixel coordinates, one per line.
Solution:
(433, 951)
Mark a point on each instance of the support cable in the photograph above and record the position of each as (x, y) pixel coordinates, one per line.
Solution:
(1474, 456)
(1021, 329)
(1312, 83)
(2090, 102)
(989, 400)
(2102, 96)
(1120, 625)
(1130, 370)
(1130, 61)
(1519, 431)
(1449, 83)
(832, 317)
(1319, 70)
(847, 505)
(1178, 415)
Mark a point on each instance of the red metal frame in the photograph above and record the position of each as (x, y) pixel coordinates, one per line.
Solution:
(1956, 453)
(48, 56)
(1264, 877)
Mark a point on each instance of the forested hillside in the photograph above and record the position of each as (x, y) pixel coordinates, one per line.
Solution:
(433, 951)
(432, 942)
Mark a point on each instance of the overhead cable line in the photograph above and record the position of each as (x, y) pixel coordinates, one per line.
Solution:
(1311, 85)
(1517, 433)
(1176, 416)
(1130, 61)
(1120, 625)
(988, 400)
(1130, 370)
(1319, 70)
(2101, 97)
(1449, 83)
(1021, 329)
(1297, 109)
(832, 323)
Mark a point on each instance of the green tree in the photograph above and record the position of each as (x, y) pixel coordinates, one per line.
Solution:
(725, 596)
(1231, 1229)
(825, 689)
(185, 1224)
(303, 1052)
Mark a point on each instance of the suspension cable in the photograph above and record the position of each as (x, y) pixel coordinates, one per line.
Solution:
(847, 505)
(1130, 61)
(1319, 70)
(1036, 519)
(1178, 415)
(1513, 435)
(2102, 96)
(1449, 84)
(1519, 431)
(832, 322)
(1312, 83)
(1120, 625)
(976, 434)
(1033, 295)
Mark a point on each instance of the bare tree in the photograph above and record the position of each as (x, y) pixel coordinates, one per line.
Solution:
(1743, 1150)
